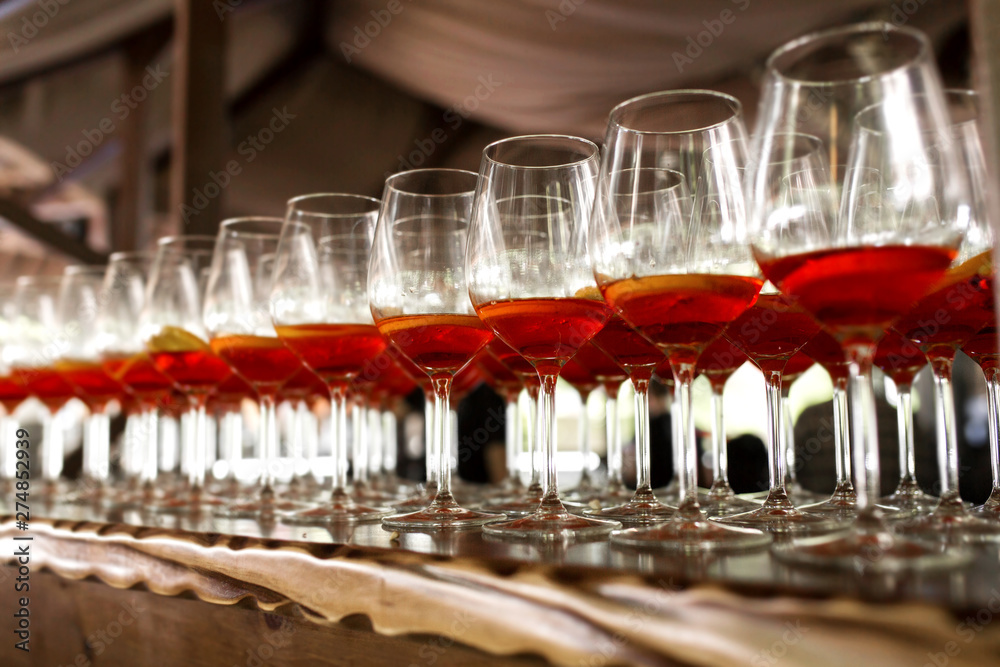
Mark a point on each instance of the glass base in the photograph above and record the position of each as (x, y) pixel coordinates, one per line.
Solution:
(441, 514)
(366, 493)
(189, 502)
(989, 510)
(340, 508)
(551, 522)
(642, 509)
(690, 532)
(714, 506)
(869, 550)
(521, 505)
(909, 497)
(950, 522)
(260, 508)
(778, 515)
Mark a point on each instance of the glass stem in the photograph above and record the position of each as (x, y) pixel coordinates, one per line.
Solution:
(864, 440)
(643, 483)
(992, 412)
(338, 427)
(777, 495)
(199, 453)
(841, 450)
(269, 437)
(615, 481)
(944, 399)
(375, 441)
(149, 437)
(904, 422)
(232, 439)
(297, 439)
(389, 446)
(547, 443)
(687, 446)
(535, 438)
(97, 447)
(584, 435)
(720, 446)
(788, 441)
(512, 439)
(52, 448)
(359, 444)
(441, 436)
(430, 453)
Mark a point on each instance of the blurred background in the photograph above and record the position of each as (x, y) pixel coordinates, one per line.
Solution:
(125, 120)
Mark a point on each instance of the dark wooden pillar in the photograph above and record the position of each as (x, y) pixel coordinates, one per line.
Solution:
(199, 119)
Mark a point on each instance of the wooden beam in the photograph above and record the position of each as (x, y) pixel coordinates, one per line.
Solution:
(134, 163)
(49, 234)
(199, 117)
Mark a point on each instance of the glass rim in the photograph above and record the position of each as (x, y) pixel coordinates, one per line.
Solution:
(390, 182)
(869, 27)
(40, 280)
(85, 269)
(705, 93)
(226, 227)
(168, 241)
(594, 151)
(678, 178)
(293, 204)
(127, 255)
(815, 146)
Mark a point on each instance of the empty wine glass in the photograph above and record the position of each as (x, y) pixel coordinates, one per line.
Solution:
(531, 283)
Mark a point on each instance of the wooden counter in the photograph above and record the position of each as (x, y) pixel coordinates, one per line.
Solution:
(218, 592)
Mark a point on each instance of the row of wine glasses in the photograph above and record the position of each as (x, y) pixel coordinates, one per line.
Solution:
(849, 229)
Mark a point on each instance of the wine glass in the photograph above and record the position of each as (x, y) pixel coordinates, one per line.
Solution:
(960, 305)
(319, 306)
(37, 342)
(677, 279)
(871, 88)
(531, 283)
(78, 310)
(663, 194)
(826, 351)
(174, 334)
(718, 363)
(901, 360)
(420, 302)
(238, 322)
(12, 394)
(124, 359)
(771, 333)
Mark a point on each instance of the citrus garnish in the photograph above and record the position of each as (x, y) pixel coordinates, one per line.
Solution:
(175, 339)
